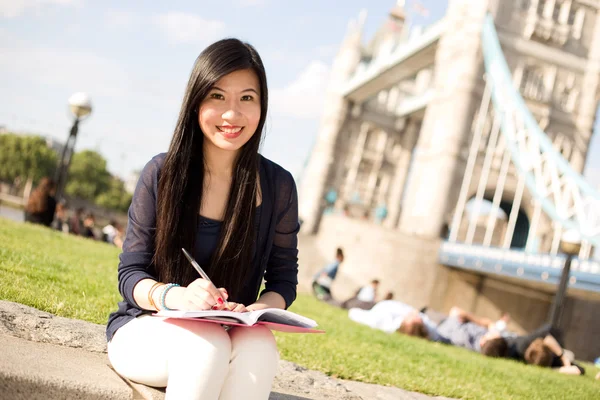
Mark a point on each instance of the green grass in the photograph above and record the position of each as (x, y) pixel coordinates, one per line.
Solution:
(77, 278)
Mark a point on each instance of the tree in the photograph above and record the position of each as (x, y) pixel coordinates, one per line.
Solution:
(88, 176)
(116, 197)
(24, 157)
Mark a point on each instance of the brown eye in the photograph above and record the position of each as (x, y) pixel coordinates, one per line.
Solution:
(217, 96)
(247, 98)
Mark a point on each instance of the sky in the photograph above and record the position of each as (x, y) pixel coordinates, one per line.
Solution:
(134, 57)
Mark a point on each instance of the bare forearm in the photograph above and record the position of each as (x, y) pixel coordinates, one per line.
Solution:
(141, 292)
(553, 345)
(268, 300)
(465, 316)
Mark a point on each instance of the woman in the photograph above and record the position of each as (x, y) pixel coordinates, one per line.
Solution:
(42, 204)
(213, 194)
(60, 222)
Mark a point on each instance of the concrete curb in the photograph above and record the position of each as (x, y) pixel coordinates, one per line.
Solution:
(49, 357)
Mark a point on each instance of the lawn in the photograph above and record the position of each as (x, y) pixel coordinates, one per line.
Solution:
(76, 278)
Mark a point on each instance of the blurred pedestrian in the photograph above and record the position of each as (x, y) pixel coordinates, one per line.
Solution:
(324, 278)
(120, 236)
(364, 297)
(42, 204)
(88, 226)
(61, 222)
(76, 223)
(109, 232)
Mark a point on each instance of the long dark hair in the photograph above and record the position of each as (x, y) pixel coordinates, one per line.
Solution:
(180, 185)
(38, 200)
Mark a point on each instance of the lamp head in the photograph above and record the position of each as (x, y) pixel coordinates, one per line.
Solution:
(570, 242)
(80, 105)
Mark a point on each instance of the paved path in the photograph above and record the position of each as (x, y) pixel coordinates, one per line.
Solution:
(12, 213)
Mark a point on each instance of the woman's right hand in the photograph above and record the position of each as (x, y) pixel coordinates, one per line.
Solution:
(198, 295)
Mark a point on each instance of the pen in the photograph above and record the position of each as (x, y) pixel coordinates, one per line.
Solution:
(200, 271)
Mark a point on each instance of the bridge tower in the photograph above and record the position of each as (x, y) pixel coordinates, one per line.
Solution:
(410, 148)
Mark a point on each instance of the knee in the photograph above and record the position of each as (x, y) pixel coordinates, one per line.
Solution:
(256, 341)
(205, 338)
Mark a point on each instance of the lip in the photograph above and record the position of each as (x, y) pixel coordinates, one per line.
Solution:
(230, 135)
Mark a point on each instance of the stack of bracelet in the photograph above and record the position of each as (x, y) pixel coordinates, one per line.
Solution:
(163, 294)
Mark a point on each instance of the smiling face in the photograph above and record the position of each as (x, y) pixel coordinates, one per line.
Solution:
(230, 114)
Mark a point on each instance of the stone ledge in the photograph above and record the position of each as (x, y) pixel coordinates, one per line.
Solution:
(49, 357)
(29, 323)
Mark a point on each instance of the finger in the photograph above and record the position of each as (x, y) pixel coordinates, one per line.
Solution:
(239, 308)
(200, 298)
(224, 293)
(210, 288)
(195, 304)
(203, 295)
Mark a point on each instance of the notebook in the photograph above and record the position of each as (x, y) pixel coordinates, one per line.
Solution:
(273, 318)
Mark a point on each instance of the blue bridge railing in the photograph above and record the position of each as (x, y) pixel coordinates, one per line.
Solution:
(545, 268)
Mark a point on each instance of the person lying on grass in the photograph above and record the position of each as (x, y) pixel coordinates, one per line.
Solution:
(394, 316)
(542, 348)
(469, 331)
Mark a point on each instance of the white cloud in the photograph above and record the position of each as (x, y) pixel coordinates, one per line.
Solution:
(187, 28)
(305, 96)
(77, 70)
(14, 8)
(120, 18)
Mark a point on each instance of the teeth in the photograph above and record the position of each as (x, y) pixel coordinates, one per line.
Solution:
(230, 130)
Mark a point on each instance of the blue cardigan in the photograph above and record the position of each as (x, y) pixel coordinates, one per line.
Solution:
(275, 256)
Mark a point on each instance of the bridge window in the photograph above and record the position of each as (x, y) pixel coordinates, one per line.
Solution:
(532, 84)
(566, 93)
(540, 7)
(556, 11)
(571, 17)
(563, 145)
(556, 20)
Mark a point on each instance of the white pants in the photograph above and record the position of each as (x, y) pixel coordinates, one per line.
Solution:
(196, 360)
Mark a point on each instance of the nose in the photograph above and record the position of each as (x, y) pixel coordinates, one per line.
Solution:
(232, 111)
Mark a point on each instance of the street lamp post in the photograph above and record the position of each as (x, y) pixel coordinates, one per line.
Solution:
(570, 244)
(81, 107)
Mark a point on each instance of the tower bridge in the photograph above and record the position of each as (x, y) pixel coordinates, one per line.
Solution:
(448, 161)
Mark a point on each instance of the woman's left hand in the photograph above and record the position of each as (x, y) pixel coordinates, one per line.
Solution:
(237, 307)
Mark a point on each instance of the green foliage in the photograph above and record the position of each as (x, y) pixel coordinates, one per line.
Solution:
(76, 278)
(88, 176)
(23, 157)
(115, 197)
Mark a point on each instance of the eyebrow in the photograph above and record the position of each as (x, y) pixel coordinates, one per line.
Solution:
(245, 90)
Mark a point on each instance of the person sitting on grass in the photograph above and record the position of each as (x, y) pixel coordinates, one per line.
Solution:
(323, 279)
(89, 223)
(41, 205)
(236, 212)
(364, 297)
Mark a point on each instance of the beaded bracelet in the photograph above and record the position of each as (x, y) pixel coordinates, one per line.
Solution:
(163, 296)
